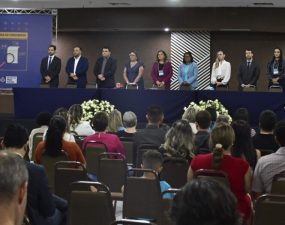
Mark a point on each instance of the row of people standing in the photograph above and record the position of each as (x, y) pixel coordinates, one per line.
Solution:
(161, 72)
(106, 66)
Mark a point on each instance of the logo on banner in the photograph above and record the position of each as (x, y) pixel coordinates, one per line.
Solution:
(13, 51)
(11, 79)
(2, 79)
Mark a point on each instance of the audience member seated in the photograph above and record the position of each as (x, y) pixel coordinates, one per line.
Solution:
(42, 121)
(42, 207)
(270, 165)
(264, 139)
(238, 170)
(203, 121)
(115, 122)
(243, 114)
(222, 119)
(54, 143)
(243, 146)
(190, 115)
(203, 202)
(154, 133)
(130, 124)
(179, 141)
(153, 160)
(213, 114)
(13, 188)
(64, 114)
(76, 125)
(112, 141)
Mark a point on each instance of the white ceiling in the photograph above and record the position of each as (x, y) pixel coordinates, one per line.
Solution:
(42, 4)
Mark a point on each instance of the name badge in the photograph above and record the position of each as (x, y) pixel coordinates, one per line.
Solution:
(160, 73)
(275, 71)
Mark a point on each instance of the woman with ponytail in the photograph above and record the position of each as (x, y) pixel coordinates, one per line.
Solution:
(237, 170)
(54, 143)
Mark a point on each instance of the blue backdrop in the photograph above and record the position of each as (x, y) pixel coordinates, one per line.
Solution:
(24, 40)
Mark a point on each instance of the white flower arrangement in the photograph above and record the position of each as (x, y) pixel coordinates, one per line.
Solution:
(220, 108)
(91, 107)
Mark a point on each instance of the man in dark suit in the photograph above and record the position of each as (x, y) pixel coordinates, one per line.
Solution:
(43, 208)
(105, 69)
(249, 71)
(76, 68)
(50, 68)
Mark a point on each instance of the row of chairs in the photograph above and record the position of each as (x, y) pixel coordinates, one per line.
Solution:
(141, 197)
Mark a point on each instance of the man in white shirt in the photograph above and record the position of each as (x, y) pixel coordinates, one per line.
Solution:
(76, 68)
(221, 71)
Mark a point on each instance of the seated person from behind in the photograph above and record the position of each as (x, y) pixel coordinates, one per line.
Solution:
(189, 115)
(115, 123)
(179, 141)
(204, 201)
(264, 139)
(111, 141)
(42, 120)
(81, 128)
(54, 144)
(270, 165)
(153, 160)
(13, 188)
(203, 121)
(154, 132)
(130, 123)
(42, 206)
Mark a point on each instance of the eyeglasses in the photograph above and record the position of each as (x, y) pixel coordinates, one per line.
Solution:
(132, 55)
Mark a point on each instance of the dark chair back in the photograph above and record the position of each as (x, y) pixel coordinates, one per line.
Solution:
(88, 207)
(142, 197)
(132, 87)
(79, 140)
(92, 151)
(166, 207)
(216, 175)
(269, 209)
(129, 147)
(67, 172)
(275, 88)
(174, 171)
(49, 163)
(278, 184)
(141, 150)
(264, 152)
(112, 171)
(38, 137)
(251, 88)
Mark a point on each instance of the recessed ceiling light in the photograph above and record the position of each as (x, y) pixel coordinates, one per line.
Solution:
(166, 29)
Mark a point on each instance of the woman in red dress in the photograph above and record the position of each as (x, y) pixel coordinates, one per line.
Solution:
(238, 170)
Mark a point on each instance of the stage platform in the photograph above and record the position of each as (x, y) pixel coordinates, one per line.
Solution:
(28, 102)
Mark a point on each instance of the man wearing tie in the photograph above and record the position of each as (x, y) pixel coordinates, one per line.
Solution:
(249, 71)
(76, 68)
(50, 68)
(105, 69)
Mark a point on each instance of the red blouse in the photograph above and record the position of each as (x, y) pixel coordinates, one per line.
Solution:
(236, 169)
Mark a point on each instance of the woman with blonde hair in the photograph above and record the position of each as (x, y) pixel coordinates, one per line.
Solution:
(238, 170)
(179, 141)
(190, 115)
(115, 122)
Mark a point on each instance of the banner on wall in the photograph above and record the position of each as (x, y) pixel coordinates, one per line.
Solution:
(24, 40)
